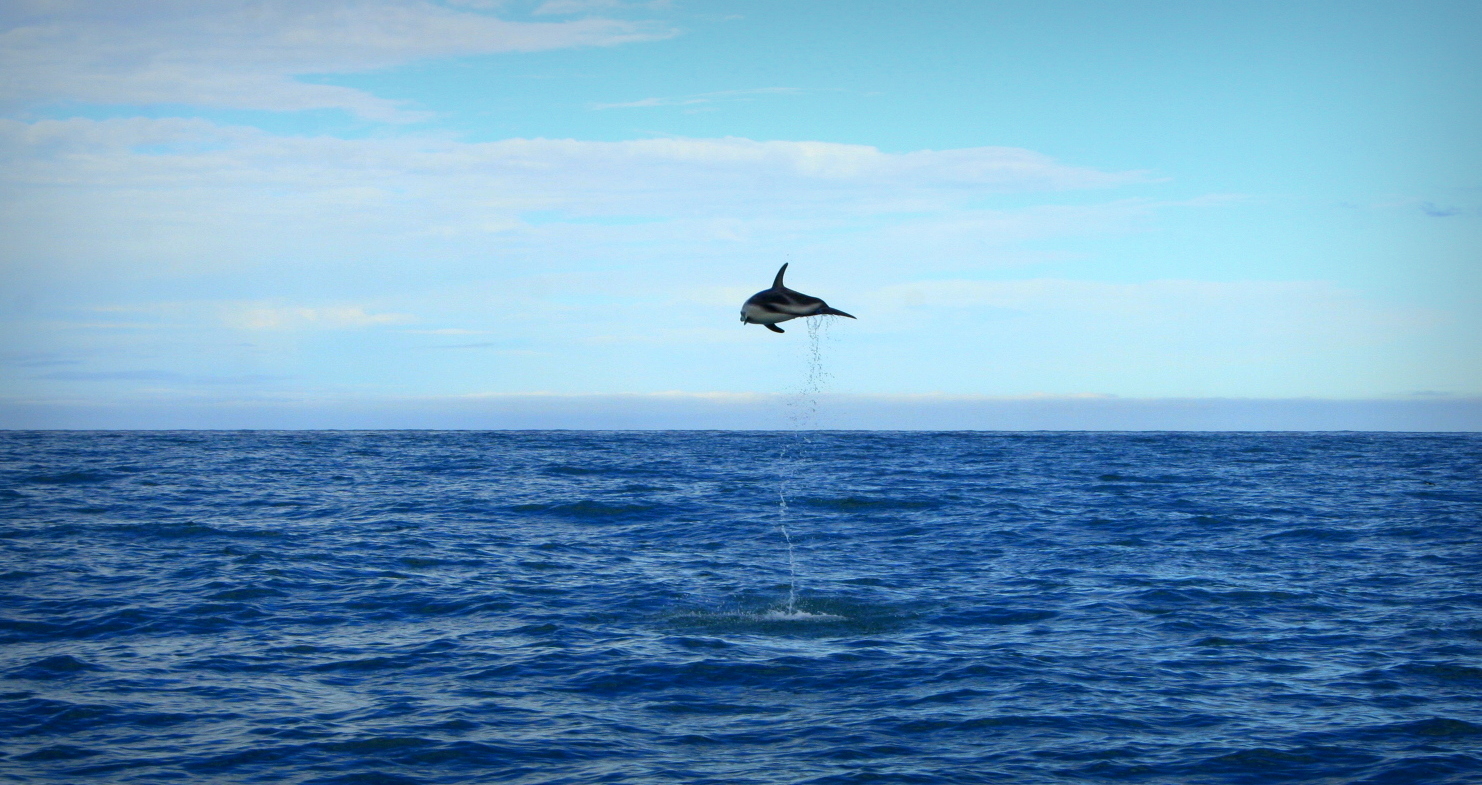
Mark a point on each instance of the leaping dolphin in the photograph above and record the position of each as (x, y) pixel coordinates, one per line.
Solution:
(780, 303)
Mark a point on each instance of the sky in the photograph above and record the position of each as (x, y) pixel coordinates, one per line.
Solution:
(235, 213)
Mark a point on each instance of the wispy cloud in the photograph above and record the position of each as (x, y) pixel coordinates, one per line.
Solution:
(1407, 204)
(1436, 211)
(158, 376)
(518, 174)
(568, 7)
(91, 191)
(247, 53)
(498, 348)
(700, 99)
(273, 317)
(36, 361)
(743, 411)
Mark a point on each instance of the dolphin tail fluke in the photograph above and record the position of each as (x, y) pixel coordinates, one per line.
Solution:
(777, 282)
(834, 312)
(774, 328)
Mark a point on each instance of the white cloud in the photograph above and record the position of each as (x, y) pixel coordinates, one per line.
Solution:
(214, 408)
(184, 194)
(566, 7)
(278, 317)
(524, 173)
(247, 53)
(700, 98)
(239, 316)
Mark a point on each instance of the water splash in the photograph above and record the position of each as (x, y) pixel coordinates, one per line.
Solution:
(758, 617)
(792, 614)
(802, 417)
(802, 405)
(792, 561)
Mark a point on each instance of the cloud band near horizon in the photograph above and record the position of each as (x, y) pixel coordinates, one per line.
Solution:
(750, 411)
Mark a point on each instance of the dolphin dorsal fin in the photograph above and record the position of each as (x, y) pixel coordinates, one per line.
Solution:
(777, 282)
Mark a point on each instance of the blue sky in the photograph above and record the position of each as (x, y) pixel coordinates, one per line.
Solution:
(228, 205)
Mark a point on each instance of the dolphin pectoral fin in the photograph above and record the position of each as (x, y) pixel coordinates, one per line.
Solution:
(774, 328)
(834, 312)
(777, 282)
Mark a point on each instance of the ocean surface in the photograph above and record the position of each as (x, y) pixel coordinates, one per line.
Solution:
(397, 608)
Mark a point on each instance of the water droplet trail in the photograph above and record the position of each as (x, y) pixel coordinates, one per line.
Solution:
(802, 419)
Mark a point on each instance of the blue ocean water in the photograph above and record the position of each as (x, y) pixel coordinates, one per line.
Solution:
(391, 608)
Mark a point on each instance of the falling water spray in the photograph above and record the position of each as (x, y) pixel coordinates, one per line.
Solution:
(802, 416)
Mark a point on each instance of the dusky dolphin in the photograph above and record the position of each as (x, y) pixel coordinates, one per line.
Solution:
(780, 303)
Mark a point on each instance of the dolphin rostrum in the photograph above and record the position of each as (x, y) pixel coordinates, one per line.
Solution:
(780, 303)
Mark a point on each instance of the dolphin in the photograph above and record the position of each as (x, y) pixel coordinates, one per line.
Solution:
(780, 303)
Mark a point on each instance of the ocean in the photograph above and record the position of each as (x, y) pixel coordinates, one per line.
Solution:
(419, 607)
